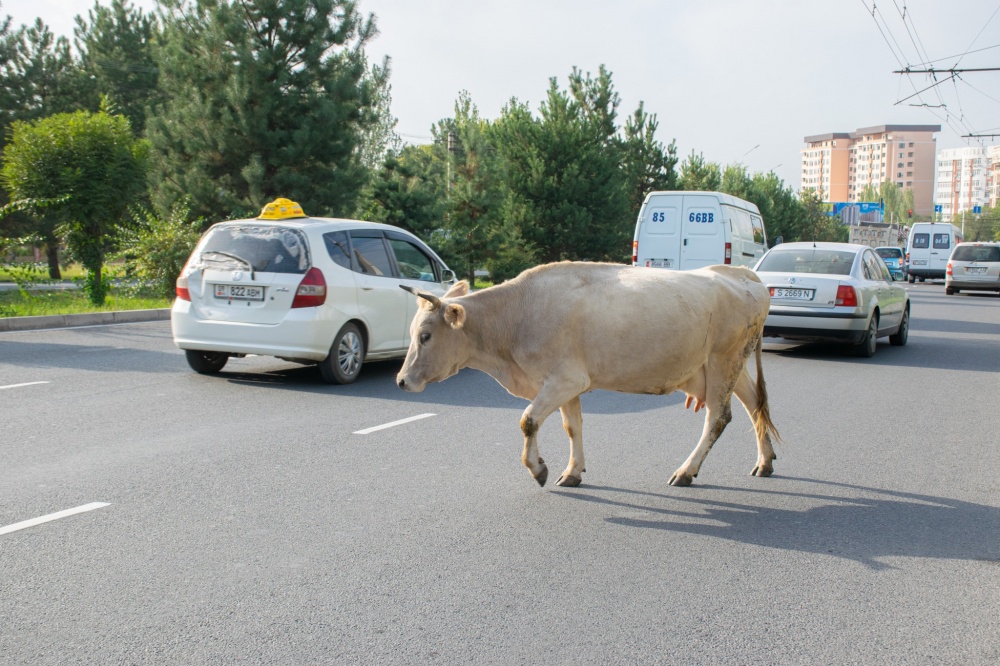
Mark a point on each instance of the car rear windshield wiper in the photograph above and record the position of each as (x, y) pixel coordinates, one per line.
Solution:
(229, 256)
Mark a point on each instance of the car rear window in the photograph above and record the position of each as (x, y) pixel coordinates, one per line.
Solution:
(921, 241)
(889, 252)
(988, 253)
(260, 248)
(827, 262)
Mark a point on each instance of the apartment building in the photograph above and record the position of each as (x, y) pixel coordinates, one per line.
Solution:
(838, 165)
(965, 179)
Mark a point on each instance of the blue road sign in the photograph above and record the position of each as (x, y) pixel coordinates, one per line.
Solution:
(938, 208)
(977, 209)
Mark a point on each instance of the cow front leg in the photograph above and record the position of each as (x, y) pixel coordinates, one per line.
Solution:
(572, 418)
(716, 420)
(556, 391)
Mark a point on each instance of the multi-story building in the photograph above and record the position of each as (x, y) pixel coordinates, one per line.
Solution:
(964, 180)
(839, 166)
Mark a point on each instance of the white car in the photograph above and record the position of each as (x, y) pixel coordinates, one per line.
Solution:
(973, 267)
(833, 292)
(303, 289)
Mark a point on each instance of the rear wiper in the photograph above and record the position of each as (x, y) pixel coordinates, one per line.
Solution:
(231, 256)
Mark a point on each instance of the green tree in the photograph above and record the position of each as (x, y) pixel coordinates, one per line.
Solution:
(779, 206)
(155, 249)
(896, 202)
(567, 194)
(115, 46)
(96, 163)
(815, 224)
(649, 165)
(263, 98)
(699, 175)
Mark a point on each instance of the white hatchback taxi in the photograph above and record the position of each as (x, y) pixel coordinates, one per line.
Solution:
(833, 292)
(303, 289)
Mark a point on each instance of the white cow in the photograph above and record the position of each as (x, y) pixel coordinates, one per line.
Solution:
(560, 330)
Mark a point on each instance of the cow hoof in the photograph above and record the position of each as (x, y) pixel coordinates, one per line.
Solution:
(542, 476)
(679, 479)
(762, 470)
(569, 481)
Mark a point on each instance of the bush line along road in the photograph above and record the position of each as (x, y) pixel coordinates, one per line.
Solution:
(154, 515)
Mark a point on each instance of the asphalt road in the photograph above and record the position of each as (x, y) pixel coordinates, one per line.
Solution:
(242, 520)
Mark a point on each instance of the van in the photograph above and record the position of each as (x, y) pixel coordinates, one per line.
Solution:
(928, 247)
(686, 230)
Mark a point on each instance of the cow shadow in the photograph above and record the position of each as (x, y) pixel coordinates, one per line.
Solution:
(865, 525)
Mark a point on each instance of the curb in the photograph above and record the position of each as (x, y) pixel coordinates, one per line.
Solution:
(87, 319)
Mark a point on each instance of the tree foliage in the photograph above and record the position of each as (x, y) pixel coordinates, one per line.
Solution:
(95, 163)
(262, 98)
(155, 248)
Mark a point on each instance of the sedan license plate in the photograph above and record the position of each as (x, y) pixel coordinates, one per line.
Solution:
(975, 270)
(795, 294)
(659, 263)
(239, 292)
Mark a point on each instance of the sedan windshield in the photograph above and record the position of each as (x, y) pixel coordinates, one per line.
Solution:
(808, 260)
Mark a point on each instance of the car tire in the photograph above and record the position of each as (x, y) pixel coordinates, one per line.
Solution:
(902, 333)
(206, 362)
(347, 354)
(949, 291)
(911, 279)
(866, 348)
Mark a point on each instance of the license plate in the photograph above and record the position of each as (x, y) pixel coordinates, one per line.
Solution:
(919, 262)
(795, 294)
(976, 270)
(239, 292)
(659, 263)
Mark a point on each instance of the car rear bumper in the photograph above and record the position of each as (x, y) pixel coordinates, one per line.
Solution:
(837, 326)
(935, 274)
(972, 285)
(303, 334)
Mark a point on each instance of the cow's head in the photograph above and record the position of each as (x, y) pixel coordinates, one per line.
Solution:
(438, 345)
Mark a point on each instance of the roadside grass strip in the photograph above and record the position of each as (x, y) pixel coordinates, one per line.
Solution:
(52, 516)
(393, 424)
(10, 386)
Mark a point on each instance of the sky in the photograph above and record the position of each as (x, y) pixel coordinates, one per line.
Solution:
(739, 81)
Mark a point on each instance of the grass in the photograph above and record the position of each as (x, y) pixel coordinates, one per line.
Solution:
(71, 272)
(71, 301)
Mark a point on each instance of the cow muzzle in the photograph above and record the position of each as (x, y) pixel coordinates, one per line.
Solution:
(408, 384)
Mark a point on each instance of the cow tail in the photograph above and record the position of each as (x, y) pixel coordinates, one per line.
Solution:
(762, 419)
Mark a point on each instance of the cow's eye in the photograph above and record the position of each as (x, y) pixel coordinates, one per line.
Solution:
(424, 337)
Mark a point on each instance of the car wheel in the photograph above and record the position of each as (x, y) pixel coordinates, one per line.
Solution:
(206, 362)
(866, 348)
(911, 279)
(903, 332)
(949, 291)
(347, 353)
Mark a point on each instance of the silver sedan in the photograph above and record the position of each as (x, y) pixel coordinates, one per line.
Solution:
(833, 292)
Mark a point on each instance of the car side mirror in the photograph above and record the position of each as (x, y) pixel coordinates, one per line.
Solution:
(448, 276)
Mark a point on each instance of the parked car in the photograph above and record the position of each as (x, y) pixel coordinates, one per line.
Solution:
(304, 289)
(894, 261)
(833, 292)
(973, 267)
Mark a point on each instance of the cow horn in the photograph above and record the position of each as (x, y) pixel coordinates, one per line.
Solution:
(434, 300)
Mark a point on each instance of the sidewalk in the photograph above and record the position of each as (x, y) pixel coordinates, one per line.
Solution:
(88, 319)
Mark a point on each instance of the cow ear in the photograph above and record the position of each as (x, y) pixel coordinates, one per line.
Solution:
(454, 314)
(458, 289)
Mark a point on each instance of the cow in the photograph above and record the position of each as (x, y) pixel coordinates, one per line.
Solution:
(559, 330)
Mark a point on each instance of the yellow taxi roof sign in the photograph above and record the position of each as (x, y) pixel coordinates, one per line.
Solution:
(281, 209)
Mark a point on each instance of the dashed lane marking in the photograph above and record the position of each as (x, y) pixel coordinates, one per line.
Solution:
(20, 385)
(393, 424)
(52, 516)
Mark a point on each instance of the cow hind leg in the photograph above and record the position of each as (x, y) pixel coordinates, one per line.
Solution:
(747, 394)
(572, 418)
(719, 414)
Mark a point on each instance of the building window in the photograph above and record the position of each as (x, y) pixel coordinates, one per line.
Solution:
(902, 145)
(911, 144)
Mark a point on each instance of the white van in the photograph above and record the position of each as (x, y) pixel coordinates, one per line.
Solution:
(685, 230)
(928, 247)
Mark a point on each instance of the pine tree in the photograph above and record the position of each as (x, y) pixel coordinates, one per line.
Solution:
(263, 99)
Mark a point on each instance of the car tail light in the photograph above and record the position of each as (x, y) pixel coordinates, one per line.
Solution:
(311, 291)
(846, 295)
(635, 252)
(948, 270)
(729, 254)
(182, 289)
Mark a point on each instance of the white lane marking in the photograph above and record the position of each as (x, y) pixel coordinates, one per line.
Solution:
(20, 385)
(52, 516)
(393, 424)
